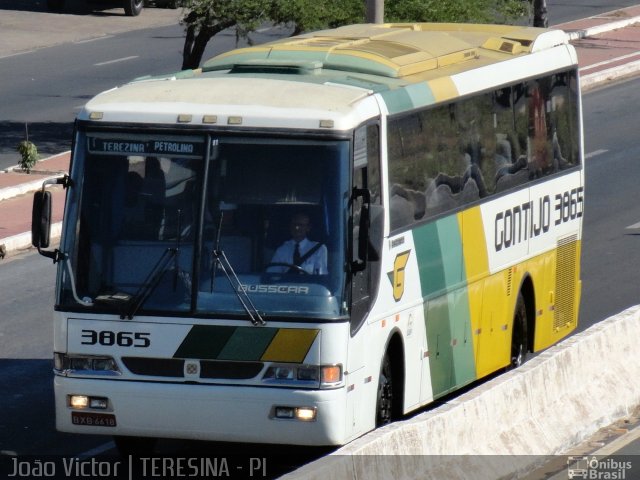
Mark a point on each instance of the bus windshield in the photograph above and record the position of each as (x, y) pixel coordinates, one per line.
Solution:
(207, 225)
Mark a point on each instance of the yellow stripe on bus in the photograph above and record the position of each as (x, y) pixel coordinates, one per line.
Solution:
(443, 89)
(476, 264)
(290, 345)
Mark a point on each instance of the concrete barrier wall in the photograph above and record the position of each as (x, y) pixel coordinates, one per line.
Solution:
(513, 422)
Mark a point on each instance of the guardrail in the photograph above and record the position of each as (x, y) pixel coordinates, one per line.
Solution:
(510, 424)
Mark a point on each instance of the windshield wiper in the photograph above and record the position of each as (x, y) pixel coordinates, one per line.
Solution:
(150, 283)
(234, 281)
(236, 286)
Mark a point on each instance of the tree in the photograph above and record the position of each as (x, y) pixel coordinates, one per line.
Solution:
(204, 19)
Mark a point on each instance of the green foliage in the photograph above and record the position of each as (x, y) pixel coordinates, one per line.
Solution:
(471, 11)
(310, 15)
(29, 153)
(206, 13)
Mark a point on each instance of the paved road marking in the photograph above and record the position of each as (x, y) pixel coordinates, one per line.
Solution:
(595, 153)
(635, 226)
(89, 40)
(124, 59)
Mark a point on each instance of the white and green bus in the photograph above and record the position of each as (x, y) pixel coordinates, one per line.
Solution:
(436, 169)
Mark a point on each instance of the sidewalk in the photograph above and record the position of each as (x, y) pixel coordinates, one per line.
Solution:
(607, 46)
(16, 199)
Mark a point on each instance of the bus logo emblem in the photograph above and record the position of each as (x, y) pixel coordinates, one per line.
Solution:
(397, 275)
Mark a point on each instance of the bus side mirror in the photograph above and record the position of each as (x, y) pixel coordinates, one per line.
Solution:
(41, 219)
(369, 231)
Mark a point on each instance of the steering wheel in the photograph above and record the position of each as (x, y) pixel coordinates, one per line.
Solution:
(290, 266)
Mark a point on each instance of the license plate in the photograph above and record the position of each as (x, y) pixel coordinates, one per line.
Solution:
(93, 419)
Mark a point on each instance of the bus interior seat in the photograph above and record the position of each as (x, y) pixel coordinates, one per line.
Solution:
(470, 192)
(401, 211)
(180, 211)
(237, 249)
(513, 174)
(153, 191)
(441, 200)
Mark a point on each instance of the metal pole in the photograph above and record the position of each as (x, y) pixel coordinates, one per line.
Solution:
(540, 17)
(375, 11)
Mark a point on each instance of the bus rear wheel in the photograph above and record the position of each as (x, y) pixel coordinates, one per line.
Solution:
(519, 338)
(133, 7)
(385, 399)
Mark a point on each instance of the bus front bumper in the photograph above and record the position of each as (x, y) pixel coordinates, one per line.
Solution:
(199, 412)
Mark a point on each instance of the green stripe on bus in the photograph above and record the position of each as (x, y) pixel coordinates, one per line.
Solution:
(247, 343)
(408, 98)
(219, 342)
(397, 100)
(429, 258)
(439, 250)
(204, 342)
(420, 94)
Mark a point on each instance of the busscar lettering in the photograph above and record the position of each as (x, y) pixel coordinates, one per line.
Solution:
(534, 218)
(281, 289)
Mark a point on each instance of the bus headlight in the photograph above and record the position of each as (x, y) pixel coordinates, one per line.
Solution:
(83, 401)
(304, 414)
(84, 365)
(311, 376)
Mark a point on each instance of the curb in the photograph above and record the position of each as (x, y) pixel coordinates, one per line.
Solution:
(590, 81)
(22, 241)
(598, 29)
(27, 187)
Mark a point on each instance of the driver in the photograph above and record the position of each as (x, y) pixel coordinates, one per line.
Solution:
(299, 253)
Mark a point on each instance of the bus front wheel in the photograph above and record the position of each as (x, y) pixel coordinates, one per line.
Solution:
(519, 339)
(385, 400)
(133, 7)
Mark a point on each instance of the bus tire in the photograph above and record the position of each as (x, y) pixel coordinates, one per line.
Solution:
(55, 5)
(134, 446)
(519, 338)
(385, 399)
(133, 8)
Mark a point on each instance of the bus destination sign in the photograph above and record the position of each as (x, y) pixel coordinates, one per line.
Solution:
(121, 146)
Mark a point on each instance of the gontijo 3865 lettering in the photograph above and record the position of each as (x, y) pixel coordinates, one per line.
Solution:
(531, 219)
